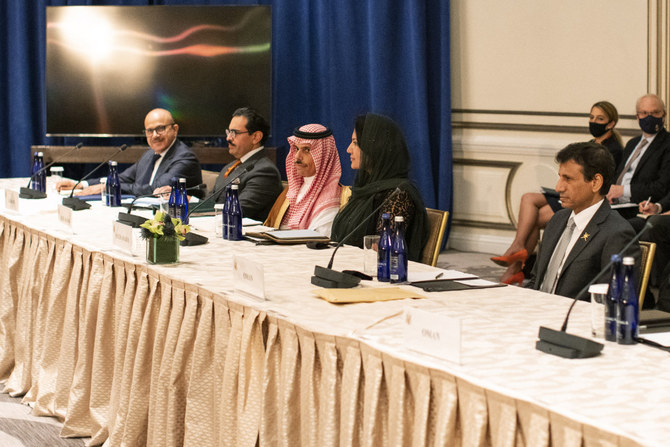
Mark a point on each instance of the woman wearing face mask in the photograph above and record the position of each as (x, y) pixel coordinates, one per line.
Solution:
(537, 208)
(380, 155)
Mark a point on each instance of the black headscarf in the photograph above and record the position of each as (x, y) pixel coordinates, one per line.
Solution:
(384, 167)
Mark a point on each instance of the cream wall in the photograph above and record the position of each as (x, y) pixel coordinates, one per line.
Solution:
(524, 75)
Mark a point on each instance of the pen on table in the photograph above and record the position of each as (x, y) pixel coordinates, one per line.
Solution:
(439, 275)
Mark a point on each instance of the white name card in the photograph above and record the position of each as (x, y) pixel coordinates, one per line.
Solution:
(433, 334)
(248, 277)
(65, 216)
(11, 200)
(123, 237)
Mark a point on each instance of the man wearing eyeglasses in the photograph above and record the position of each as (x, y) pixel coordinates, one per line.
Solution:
(259, 179)
(167, 158)
(644, 171)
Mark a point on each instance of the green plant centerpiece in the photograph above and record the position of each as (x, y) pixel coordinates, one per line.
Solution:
(163, 234)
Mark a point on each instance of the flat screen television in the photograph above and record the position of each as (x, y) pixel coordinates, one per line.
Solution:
(107, 66)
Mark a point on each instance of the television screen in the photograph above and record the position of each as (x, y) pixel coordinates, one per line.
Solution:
(107, 66)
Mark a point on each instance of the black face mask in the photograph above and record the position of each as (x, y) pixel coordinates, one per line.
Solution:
(598, 129)
(650, 124)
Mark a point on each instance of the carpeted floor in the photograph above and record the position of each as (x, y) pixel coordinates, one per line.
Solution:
(19, 429)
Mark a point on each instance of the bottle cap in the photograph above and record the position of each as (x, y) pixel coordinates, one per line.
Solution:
(629, 260)
(386, 216)
(616, 257)
(234, 187)
(182, 180)
(40, 154)
(56, 169)
(113, 163)
(399, 219)
(600, 289)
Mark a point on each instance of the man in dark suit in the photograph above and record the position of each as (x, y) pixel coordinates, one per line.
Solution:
(580, 239)
(259, 179)
(644, 171)
(154, 170)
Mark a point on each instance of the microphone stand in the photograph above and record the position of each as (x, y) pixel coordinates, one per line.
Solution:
(329, 278)
(28, 192)
(77, 204)
(565, 345)
(134, 220)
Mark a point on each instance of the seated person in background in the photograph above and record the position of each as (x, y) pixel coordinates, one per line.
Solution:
(644, 171)
(581, 238)
(260, 185)
(167, 158)
(313, 169)
(379, 152)
(537, 208)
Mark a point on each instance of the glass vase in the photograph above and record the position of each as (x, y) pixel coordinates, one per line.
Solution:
(162, 250)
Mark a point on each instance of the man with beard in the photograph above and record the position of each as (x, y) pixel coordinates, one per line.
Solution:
(259, 179)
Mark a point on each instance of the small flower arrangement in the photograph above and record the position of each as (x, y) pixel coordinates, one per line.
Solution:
(162, 226)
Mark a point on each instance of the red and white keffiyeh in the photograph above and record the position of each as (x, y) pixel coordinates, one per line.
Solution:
(324, 192)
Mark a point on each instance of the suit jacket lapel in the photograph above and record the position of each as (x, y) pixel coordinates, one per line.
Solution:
(166, 160)
(550, 240)
(587, 235)
(650, 150)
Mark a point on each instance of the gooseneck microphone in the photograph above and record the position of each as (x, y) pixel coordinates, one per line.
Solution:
(216, 192)
(28, 193)
(198, 239)
(326, 276)
(134, 220)
(565, 345)
(78, 204)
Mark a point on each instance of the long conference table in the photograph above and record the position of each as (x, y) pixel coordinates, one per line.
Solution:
(131, 354)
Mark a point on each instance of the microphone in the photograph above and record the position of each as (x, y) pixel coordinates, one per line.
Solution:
(192, 239)
(78, 204)
(569, 346)
(28, 193)
(216, 192)
(326, 276)
(134, 220)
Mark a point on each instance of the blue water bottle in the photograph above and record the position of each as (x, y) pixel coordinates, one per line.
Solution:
(42, 172)
(398, 258)
(629, 309)
(113, 185)
(234, 216)
(225, 215)
(613, 297)
(37, 181)
(172, 201)
(182, 204)
(384, 249)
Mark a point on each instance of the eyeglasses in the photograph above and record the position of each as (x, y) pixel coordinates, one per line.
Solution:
(160, 130)
(656, 114)
(232, 133)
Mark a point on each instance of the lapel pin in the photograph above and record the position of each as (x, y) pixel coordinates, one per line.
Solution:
(585, 236)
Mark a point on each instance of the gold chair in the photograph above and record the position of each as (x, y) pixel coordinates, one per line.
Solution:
(646, 261)
(437, 222)
(209, 179)
(344, 195)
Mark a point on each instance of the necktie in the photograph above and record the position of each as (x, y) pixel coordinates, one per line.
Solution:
(551, 275)
(232, 168)
(150, 170)
(636, 153)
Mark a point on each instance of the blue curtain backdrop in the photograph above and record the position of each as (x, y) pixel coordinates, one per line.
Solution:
(332, 60)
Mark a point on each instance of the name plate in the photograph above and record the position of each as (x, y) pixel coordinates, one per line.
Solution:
(433, 334)
(248, 277)
(65, 215)
(123, 237)
(11, 200)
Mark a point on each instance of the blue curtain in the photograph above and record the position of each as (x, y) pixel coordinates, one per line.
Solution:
(332, 60)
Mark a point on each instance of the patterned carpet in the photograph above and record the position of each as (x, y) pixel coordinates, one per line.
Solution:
(19, 429)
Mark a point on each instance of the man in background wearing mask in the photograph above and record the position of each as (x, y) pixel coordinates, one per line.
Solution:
(644, 171)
